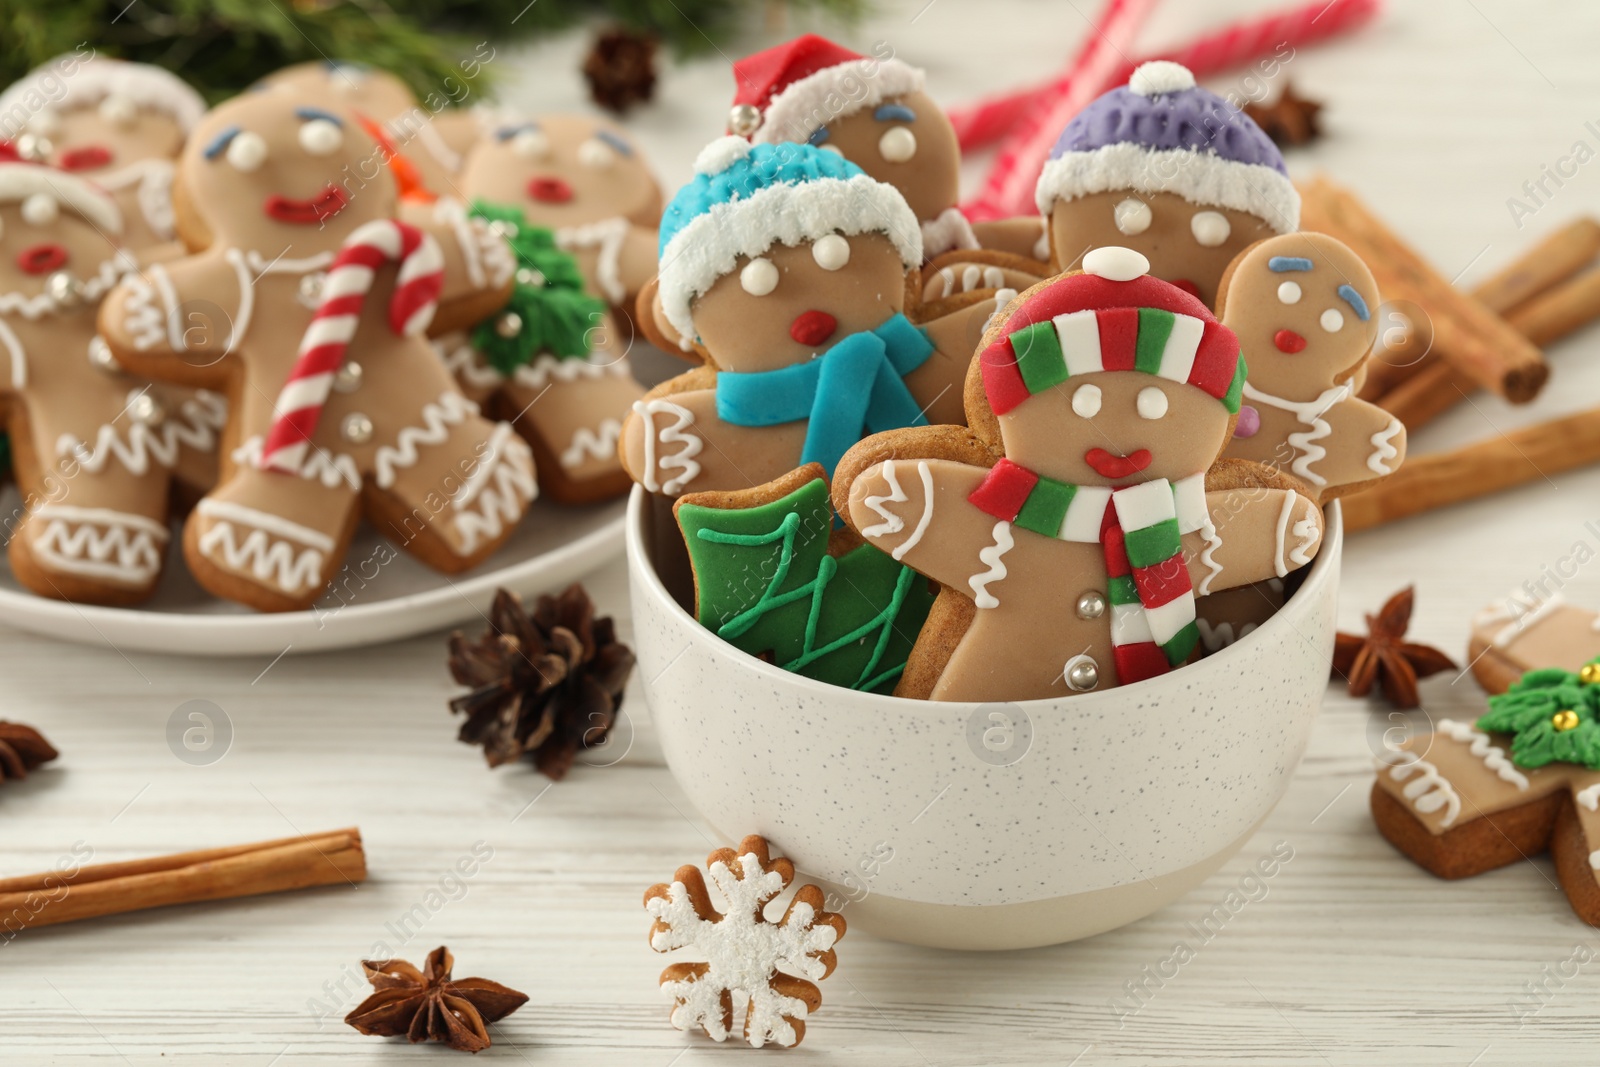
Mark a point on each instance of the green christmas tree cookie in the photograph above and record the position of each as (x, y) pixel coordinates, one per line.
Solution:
(1554, 716)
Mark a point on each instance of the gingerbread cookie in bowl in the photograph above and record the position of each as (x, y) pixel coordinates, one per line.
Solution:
(1076, 517)
(308, 306)
(95, 451)
(784, 267)
(874, 111)
(120, 125)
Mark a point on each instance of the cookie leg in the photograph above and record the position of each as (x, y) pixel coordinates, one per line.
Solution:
(99, 545)
(1577, 860)
(571, 412)
(1472, 847)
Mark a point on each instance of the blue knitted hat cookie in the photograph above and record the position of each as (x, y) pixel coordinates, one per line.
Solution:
(746, 198)
(1163, 134)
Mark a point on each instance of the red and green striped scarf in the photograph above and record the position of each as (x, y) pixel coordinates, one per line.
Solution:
(1140, 528)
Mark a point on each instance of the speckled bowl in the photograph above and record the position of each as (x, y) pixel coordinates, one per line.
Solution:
(985, 826)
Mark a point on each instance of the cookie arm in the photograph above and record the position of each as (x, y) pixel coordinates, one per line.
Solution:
(1254, 534)
(478, 263)
(675, 443)
(917, 511)
(639, 259)
(1368, 443)
(176, 321)
(937, 384)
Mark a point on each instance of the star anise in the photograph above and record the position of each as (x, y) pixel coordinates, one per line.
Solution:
(428, 1005)
(621, 69)
(545, 685)
(1290, 120)
(22, 748)
(1385, 657)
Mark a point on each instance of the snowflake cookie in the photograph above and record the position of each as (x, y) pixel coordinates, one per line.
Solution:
(743, 948)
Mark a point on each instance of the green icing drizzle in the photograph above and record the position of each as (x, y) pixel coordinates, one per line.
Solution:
(1527, 711)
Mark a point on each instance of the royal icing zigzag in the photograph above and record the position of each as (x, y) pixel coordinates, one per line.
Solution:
(1428, 793)
(892, 523)
(1208, 556)
(607, 235)
(203, 417)
(1310, 414)
(319, 465)
(1492, 755)
(598, 443)
(1221, 635)
(99, 543)
(992, 557)
(266, 553)
(1383, 449)
(451, 409)
(498, 493)
(675, 433)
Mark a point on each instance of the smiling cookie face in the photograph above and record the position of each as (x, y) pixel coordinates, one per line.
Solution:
(791, 303)
(113, 134)
(1304, 307)
(263, 173)
(48, 228)
(563, 170)
(907, 142)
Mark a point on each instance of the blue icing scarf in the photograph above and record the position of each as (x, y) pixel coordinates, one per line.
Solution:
(853, 389)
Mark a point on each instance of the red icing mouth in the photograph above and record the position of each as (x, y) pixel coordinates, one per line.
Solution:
(1108, 466)
(1289, 341)
(42, 259)
(1187, 286)
(325, 205)
(549, 190)
(89, 157)
(812, 327)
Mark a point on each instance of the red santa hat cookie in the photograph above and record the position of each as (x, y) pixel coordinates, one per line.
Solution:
(788, 91)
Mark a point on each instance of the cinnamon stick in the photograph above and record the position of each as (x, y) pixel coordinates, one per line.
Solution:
(333, 858)
(1466, 335)
(1424, 483)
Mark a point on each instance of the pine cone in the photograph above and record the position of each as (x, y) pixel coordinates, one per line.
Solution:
(621, 69)
(22, 748)
(543, 685)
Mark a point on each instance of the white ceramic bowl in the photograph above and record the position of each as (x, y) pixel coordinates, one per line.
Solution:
(992, 826)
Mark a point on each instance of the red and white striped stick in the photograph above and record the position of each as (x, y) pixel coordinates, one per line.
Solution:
(1008, 189)
(1232, 45)
(322, 349)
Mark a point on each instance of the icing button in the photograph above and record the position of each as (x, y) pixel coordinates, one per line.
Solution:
(1115, 264)
(1082, 674)
(356, 428)
(1091, 605)
(34, 148)
(145, 409)
(348, 380)
(1249, 423)
(311, 289)
(508, 325)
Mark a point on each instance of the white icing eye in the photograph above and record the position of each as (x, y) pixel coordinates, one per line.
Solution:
(831, 252)
(1152, 403)
(320, 137)
(597, 154)
(1086, 401)
(759, 277)
(897, 144)
(1289, 293)
(45, 122)
(1132, 216)
(247, 151)
(40, 209)
(531, 144)
(1332, 320)
(118, 110)
(1210, 228)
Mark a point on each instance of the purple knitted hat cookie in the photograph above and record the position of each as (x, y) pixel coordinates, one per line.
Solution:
(1162, 134)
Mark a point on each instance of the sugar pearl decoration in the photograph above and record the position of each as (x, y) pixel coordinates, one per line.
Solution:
(529, 276)
(40, 209)
(1152, 403)
(1115, 263)
(100, 354)
(744, 120)
(898, 144)
(831, 252)
(1332, 320)
(508, 325)
(596, 154)
(1589, 674)
(145, 409)
(530, 144)
(63, 289)
(1086, 401)
(348, 378)
(759, 277)
(1564, 720)
(247, 151)
(1132, 216)
(1091, 605)
(1210, 228)
(311, 288)
(1289, 293)
(356, 428)
(118, 110)
(1082, 674)
(320, 137)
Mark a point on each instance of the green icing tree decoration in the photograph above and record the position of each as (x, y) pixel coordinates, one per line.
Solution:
(1554, 716)
(766, 582)
(548, 299)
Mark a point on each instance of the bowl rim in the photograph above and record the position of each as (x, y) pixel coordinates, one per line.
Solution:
(639, 562)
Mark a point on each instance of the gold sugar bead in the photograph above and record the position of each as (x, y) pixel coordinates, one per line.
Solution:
(1589, 674)
(1564, 720)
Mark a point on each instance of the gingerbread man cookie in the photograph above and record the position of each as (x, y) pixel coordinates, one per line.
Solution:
(306, 303)
(873, 111)
(785, 267)
(1075, 515)
(120, 125)
(1525, 778)
(1529, 630)
(94, 450)
(1302, 306)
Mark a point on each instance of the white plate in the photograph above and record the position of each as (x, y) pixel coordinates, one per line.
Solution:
(370, 603)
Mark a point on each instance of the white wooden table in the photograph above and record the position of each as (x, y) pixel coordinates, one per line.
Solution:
(1354, 955)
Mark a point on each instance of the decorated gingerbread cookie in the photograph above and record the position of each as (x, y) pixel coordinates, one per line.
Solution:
(1170, 170)
(1526, 632)
(307, 304)
(1525, 778)
(120, 125)
(94, 450)
(1302, 306)
(1075, 517)
(785, 268)
(874, 111)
